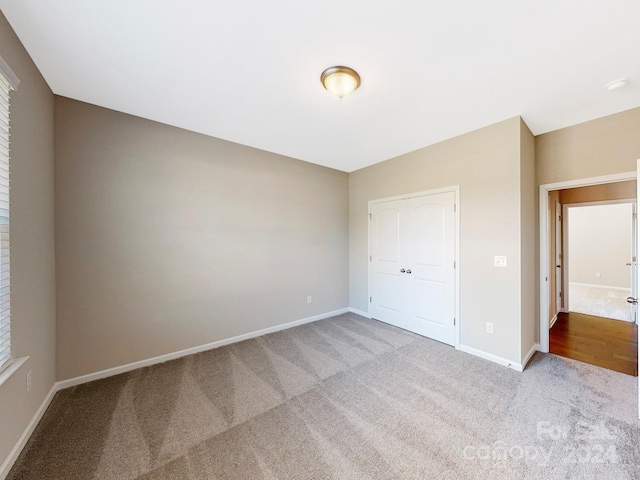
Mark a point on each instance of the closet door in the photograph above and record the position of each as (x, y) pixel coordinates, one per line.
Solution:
(412, 274)
(386, 222)
(430, 250)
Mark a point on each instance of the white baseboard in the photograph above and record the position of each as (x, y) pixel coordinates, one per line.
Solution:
(24, 438)
(72, 382)
(604, 287)
(553, 321)
(533, 350)
(359, 312)
(492, 358)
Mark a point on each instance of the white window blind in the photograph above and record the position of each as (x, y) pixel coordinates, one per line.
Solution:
(5, 270)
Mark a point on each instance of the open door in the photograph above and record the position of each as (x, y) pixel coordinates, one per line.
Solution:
(634, 267)
(633, 263)
(559, 235)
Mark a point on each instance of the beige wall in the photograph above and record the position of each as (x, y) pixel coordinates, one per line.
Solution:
(32, 242)
(167, 239)
(486, 165)
(528, 235)
(600, 147)
(600, 242)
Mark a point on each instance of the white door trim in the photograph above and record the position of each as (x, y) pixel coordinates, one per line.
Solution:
(543, 202)
(456, 214)
(565, 259)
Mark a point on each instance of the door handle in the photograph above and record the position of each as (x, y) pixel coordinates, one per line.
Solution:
(558, 266)
(628, 264)
(402, 270)
(408, 270)
(631, 300)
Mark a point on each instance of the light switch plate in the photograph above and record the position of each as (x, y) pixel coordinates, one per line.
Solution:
(500, 261)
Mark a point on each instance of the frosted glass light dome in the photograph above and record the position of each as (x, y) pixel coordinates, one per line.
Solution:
(340, 80)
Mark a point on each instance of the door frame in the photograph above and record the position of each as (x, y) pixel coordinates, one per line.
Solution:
(543, 207)
(456, 236)
(563, 249)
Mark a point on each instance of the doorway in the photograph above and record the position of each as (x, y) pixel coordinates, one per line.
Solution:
(591, 258)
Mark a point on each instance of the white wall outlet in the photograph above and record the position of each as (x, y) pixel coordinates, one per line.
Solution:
(309, 300)
(500, 261)
(28, 382)
(598, 275)
(490, 328)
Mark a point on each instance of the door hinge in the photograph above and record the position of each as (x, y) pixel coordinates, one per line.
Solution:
(369, 299)
(370, 258)
(560, 294)
(454, 264)
(635, 215)
(454, 207)
(454, 322)
(369, 216)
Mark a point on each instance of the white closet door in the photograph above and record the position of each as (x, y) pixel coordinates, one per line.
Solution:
(430, 244)
(412, 276)
(386, 279)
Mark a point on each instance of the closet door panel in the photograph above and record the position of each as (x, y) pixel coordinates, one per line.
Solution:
(386, 279)
(431, 253)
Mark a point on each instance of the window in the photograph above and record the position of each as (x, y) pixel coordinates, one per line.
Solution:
(8, 81)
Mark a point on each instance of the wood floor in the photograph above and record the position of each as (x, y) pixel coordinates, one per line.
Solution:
(607, 343)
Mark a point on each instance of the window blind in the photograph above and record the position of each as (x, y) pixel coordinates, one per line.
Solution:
(5, 269)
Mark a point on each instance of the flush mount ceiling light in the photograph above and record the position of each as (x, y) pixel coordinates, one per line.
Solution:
(340, 81)
(616, 84)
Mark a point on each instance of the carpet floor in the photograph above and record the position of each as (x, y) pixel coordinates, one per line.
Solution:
(599, 301)
(341, 398)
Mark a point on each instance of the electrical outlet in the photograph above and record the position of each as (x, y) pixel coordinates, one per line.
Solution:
(309, 301)
(28, 382)
(490, 328)
(598, 275)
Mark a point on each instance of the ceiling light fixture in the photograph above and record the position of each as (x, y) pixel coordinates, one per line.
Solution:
(340, 81)
(616, 84)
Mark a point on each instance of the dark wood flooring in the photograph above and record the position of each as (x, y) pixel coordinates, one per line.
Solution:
(607, 343)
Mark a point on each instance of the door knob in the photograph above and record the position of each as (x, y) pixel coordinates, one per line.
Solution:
(633, 301)
(408, 270)
(402, 270)
(558, 266)
(628, 264)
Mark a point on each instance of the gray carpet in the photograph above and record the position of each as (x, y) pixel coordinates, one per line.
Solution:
(342, 398)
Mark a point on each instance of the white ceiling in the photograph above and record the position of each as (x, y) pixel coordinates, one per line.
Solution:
(248, 70)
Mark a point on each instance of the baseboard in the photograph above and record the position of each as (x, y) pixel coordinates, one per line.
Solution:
(533, 350)
(72, 382)
(492, 358)
(24, 438)
(553, 321)
(604, 287)
(359, 312)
